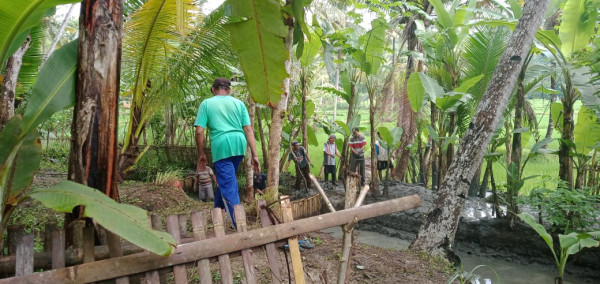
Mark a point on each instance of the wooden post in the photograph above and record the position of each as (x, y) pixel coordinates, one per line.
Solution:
(58, 249)
(183, 224)
(199, 229)
(352, 185)
(153, 277)
(217, 219)
(48, 230)
(265, 221)
(24, 253)
(115, 250)
(240, 219)
(179, 271)
(14, 235)
(293, 243)
(88, 244)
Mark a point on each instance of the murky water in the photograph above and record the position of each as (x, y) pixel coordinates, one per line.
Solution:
(508, 272)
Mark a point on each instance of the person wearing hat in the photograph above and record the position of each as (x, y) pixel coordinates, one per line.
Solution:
(230, 131)
(357, 153)
(302, 160)
(329, 153)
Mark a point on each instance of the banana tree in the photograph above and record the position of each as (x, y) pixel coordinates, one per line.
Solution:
(20, 156)
(390, 141)
(307, 71)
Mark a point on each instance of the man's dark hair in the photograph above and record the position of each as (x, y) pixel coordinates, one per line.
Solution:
(221, 83)
(355, 129)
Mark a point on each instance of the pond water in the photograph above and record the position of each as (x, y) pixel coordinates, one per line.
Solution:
(508, 272)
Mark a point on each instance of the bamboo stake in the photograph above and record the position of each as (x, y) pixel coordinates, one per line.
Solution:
(219, 228)
(199, 229)
(240, 218)
(322, 192)
(179, 271)
(293, 243)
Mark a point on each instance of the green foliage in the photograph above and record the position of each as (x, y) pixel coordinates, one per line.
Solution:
(587, 131)
(569, 244)
(17, 17)
(564, 209)
(258, 36)
(127, 221)
(577, 26)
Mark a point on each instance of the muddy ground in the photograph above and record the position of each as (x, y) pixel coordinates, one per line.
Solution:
(369, 264)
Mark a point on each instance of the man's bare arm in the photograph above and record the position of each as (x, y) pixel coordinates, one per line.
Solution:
(201, 164)
(252, 143)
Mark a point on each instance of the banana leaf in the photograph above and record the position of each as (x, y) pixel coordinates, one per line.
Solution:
(577, 26)
(127, 221)
(17, 16)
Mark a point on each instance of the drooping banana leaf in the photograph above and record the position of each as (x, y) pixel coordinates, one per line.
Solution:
(258, 36)
(311, 49)
(127, 221)
(577, 26)
(26, 163)
(587, 130)
(17, 16)
(54, 90)
(372, 43)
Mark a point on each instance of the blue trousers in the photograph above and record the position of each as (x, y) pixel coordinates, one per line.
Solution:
(227, 193)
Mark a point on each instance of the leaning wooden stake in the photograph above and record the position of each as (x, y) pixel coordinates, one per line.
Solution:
(322, 192)
(288, 216)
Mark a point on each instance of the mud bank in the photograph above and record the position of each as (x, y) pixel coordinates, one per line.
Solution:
(478, 232)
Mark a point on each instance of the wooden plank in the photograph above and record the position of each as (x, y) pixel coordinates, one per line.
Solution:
(179, 271)
(272, 253)
(288, 217)
(183, 218)
(218, 226)
(88, 244)
(153, 277)
(115, 250)
(190, 252)
(58, 249)
(199, 230)
(48, 230)
(240, 219)
(24, 252)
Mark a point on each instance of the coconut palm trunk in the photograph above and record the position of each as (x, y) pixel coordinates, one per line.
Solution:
(437, 233)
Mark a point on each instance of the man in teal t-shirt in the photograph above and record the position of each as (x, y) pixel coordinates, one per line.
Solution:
(230, 133)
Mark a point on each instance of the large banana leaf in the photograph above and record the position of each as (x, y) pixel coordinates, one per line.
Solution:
(372, 44)
(577, 26)
(17, 16)
(419, 85)
(587, 130)
(127, 221)
(258, 37)
(26, 163)
(54, 89)
(310, 51)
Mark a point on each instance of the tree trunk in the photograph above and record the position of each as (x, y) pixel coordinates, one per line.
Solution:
(304, 122)
(170, 125)
(516, 147)
(129, 155)
(435, 171)
(550, 128)
(248, 160)
(474, 186)
(565, 170)
(486, 178)
(63, 25)
(337, 86)
(9, 83)
(345, 153)
(263, 143)
(278, 115)
(374, 175)
(94, 151)
(436, 235)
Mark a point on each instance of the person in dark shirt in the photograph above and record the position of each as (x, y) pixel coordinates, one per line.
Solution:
(260, 182)
(302, 160)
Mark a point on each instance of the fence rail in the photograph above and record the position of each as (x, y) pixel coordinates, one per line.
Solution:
(199, 252)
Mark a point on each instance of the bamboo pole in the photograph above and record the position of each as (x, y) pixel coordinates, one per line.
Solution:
(288, 216)
(190, 252)
(322, 192)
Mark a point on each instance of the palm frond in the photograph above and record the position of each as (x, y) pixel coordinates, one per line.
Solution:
(31, 62)
(482, 52)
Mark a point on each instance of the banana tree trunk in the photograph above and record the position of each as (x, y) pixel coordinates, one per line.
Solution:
(278, 115)
(565, 169)
(248, 160)
(437, 233)
(516, 147)
(304, 122)
(374, 174)
(550, 128)
(435, 171)
(93, 157)
(345, 155)
(9, 83)
(130, 154)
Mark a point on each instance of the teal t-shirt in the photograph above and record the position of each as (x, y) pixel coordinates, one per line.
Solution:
(225, 117)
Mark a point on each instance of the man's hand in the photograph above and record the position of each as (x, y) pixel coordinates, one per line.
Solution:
(256, 164)
(201, 166)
